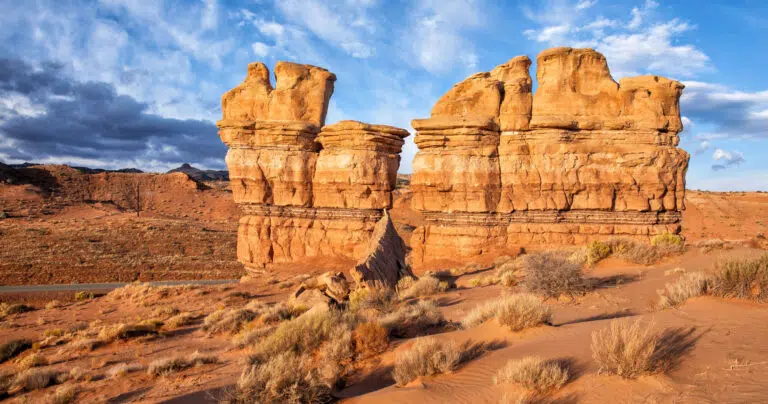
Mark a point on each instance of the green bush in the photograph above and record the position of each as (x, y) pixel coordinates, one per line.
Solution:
(597, 251)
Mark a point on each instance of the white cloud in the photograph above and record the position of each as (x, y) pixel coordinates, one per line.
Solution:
(734, 113)
(333, 22)
(637, 46)
(260, 49)
(728, 158)
(436, 31)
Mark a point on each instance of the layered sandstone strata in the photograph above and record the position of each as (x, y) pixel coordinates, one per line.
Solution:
(583, 158)
(306, 190)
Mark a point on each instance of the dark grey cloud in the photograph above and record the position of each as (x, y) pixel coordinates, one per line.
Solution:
(47, 114)
(732, 113)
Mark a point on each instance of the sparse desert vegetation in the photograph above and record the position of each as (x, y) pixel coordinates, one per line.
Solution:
(427, 357)
(534, 373)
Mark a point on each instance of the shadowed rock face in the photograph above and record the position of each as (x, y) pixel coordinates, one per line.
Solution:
(306, 190)
(582, 158)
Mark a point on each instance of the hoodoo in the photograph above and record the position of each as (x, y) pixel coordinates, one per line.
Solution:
(584, 158)
(307, 190)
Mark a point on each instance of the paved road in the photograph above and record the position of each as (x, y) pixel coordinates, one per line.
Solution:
(74, 287)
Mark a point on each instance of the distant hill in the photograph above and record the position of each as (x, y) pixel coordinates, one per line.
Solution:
(201, 175)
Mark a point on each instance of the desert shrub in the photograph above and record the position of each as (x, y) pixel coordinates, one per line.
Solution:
(596, 251)
(122, 369)
(302, 334)
(227, 320)
(53, 304)
(412, 319)
(88, 344)
(641, 253)
(251, 335)
(517, 311)
(425, 286)
(280, 312)
(370, 339)
(428, 356)
(65, 394)
(484, 281)
(34, 360)
(37, 378)
(12, 348)
(666, 240)
(165, 366)
(336, 356)
(180, 320)
(378, 298)
(746, 279)
(114, 332)
(405, 283)
(15, 308)
(552, 274)
(625, 349)
(534, 373)
(284, 378)
(687, 286)
(54, 332)
(83, 295)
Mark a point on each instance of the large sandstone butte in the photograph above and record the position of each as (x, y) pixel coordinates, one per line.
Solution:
(583, 158)
(306, 190)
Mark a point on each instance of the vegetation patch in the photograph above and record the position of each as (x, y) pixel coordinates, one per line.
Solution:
(534, 373)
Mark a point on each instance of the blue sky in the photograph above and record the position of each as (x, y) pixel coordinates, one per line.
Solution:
(118, 83)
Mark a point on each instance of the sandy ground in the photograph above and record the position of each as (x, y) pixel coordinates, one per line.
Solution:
(720, 343)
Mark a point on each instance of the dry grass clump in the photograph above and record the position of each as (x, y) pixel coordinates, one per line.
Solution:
(180, 320)
(14, 308)
(378, 298)
(428, 356)
(65, 394)
(32, 361)
(227, 320)
(114, 332)
(746, 279)
(53, 304)
(666, 240)
(518, 312)
(83, 295)
(251, 335)
(405, 283)
(122, 369)
(13, 348)
(412, 319)
(165, 366)
(284, 378)
(534, 373)
(484, 281)
(38, 378)
(641, 253)
(687, 286)
(370, 339)
(426, 286)
(552, 274)
(302, 334)
(625, 349)
(596, 251)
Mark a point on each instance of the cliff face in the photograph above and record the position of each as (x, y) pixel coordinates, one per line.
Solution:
(306, 190)
(582, 158)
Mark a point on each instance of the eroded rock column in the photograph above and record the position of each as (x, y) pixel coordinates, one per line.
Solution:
(306, 191)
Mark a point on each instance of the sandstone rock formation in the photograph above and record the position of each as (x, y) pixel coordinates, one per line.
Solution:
(306, 190)
(322, 290)
(384, 263)
(583, 158)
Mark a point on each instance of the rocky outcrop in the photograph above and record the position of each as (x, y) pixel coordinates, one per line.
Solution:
(384, 263)
(582, 158)
(306, 190)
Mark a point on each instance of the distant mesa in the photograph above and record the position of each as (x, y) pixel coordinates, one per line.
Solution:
(498, 166)
(201, 175)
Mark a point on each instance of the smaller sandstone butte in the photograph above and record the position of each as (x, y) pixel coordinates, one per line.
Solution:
(306, 190)
(301, 93)
(384, 263)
